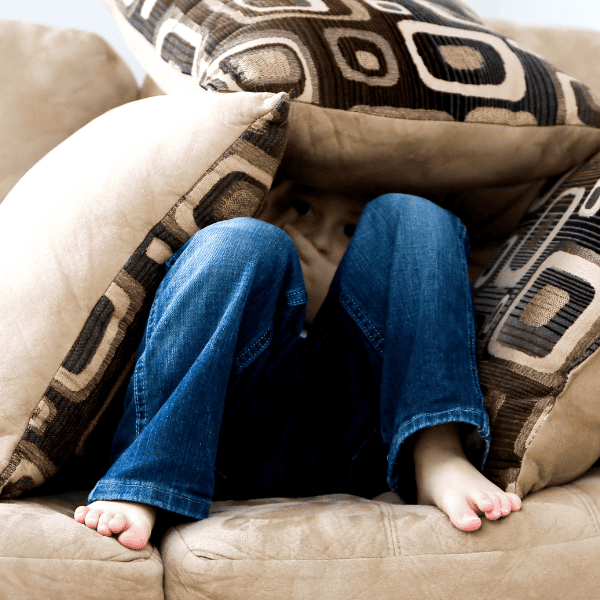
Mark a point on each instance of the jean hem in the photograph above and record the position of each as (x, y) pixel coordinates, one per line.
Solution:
(456, 415)
(168, 500)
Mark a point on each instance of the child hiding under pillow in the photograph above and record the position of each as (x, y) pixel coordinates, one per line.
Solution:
(231, 398)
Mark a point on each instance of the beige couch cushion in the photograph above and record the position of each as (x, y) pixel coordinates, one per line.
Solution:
(45, 554)
(347, 548)
(54, 81)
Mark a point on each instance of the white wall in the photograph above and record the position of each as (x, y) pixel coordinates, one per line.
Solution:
(93, 16)
(90, 15)
(578, 13)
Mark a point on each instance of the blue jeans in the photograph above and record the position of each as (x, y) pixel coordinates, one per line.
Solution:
(228, 401)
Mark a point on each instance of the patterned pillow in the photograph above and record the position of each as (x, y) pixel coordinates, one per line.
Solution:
(83, 237)
(419, 96)
(54, 81)
(538, 345)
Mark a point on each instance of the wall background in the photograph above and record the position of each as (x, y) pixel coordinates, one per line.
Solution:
(93, 16)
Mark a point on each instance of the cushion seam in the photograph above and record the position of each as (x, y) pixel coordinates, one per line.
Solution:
(584, 499)
(403, 556)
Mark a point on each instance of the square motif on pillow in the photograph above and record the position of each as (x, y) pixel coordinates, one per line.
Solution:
(352, 55)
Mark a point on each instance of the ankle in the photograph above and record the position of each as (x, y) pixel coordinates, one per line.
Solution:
(438, 443)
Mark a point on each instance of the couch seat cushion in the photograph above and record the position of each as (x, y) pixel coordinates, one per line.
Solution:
(341, 547)
(45, 553)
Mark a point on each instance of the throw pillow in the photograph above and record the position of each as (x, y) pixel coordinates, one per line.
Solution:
(539, 300)
(54, 81)
(418, 96)
(83, 238)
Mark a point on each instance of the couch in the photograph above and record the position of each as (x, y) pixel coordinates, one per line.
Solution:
(330, 547)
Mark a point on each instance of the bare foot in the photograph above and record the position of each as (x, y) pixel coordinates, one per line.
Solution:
(132, 521)
(446, 479)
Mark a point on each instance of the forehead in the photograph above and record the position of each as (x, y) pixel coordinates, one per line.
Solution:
(328, 201)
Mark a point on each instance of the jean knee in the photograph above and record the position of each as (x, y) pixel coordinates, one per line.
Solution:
(249, 229)
(414, 213)
(241, 241)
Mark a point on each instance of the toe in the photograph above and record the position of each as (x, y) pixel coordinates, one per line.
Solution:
(135, 536)
(118, 523)
(461, 514)
(481, 501)
(103, 523)
(467, 522)
(496, 512)
(79, 514)
(92, 517)
(515, 501)
(505, 505)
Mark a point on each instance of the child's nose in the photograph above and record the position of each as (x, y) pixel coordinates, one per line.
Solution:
(320, 238)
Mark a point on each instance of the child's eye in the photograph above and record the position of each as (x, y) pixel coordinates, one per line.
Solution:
(302, 207)
(349, 229)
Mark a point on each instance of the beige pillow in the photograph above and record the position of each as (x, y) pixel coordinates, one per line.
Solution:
(539, 343)
(54, 81)
(83, 237)
(418, 96)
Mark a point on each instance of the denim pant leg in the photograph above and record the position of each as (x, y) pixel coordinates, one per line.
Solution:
(404, 283)
(233, 293)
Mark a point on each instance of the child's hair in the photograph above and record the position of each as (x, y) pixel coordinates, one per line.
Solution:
(281, 176)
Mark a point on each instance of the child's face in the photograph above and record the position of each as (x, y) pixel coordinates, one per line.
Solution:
(326, 219)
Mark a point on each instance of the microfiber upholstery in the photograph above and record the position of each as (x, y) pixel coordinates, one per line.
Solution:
(54, 81)
(93, 222)
(538, 345)
(419, 96)
(45, 553)
(415, 96)
(348, 548)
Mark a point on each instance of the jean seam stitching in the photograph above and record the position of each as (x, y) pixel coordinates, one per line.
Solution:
(471, 324)
(455, 412)
(295, 298)
(358, 315)
(243, 359)
(139, 377)
(144, 486)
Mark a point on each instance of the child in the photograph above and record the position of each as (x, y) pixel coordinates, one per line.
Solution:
(230, 398)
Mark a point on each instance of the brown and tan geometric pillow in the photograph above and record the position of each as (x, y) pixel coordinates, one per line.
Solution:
(417, 96)
(83, 238)
(54, 81)
(539, 356)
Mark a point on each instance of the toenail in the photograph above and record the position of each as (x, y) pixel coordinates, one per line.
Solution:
(470, 518)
